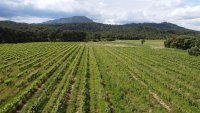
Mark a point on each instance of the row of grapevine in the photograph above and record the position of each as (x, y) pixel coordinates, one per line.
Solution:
(38, 101)
(172, 95)
(25, 94)
(133, 95)
(25, 81)
(102, 77)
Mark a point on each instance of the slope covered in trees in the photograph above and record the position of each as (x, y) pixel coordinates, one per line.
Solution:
(192, 44)
(22, 32)
(74, 19)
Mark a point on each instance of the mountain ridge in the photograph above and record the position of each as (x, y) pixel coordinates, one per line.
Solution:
(73, 19)
(22, 32)
(85, 20)
(83, 23)
(162, 25)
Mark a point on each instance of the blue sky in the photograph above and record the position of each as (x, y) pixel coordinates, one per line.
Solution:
(185, 13)
(192, 2)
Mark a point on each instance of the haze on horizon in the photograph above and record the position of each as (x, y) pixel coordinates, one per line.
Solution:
(184, 13)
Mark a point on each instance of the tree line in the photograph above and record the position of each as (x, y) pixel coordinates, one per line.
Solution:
(11, 32)
(190, 43)
(8, 35)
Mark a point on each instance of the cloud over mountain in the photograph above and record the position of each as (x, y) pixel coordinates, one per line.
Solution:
(181, 12)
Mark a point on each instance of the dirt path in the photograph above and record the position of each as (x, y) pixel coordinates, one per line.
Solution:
(159, 100)
(115, 45)
(25, 102)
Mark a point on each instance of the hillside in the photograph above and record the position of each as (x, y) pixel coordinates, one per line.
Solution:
(163, 25)
(74, 19)
(22, 32)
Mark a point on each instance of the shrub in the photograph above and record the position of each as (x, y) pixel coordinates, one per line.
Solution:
(8, 82)
(195, 51)
(142, 41)
(95, 40)
(181, 42)
(198, 43)
(184, 42)
(110, 39)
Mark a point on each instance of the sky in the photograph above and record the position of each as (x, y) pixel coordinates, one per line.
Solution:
(184, 13)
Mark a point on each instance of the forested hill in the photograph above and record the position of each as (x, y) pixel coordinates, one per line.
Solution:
(22, 32)
(98, 27)
(74, 19)
(163, 25)
(129, 31)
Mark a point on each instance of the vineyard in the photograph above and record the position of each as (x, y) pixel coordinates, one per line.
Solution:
(98, 77)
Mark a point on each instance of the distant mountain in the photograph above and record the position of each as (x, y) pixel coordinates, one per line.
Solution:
(86, 24)
(85, 20)
(81, 23)
(12, 31)
(99, 27)
(74, 19)
(163, 25)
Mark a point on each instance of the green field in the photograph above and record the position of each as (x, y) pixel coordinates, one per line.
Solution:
(98, 77)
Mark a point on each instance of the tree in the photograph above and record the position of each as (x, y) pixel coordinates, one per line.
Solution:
(181, 42)
(195, 51)
(142, 41)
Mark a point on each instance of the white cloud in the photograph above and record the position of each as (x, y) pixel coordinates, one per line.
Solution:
(26, 19)
(116, 11)
(187, 16)
(29, 19)
(187, 12)
(2, 18)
